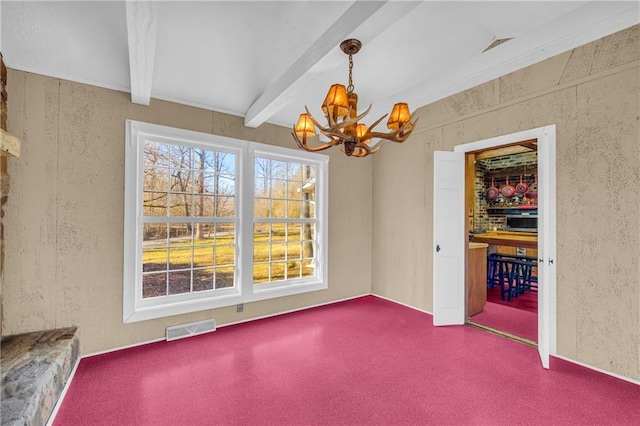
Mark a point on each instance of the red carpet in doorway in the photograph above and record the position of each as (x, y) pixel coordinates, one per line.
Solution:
(514, 321)
(365, 361)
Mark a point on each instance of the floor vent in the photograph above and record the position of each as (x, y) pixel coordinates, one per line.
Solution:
(191, 329)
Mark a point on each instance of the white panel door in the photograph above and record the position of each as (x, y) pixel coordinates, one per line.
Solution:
(448, 238)
(546, 244)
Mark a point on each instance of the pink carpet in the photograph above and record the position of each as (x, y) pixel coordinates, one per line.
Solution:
(527, 301)
(365, 361)
(518, 322)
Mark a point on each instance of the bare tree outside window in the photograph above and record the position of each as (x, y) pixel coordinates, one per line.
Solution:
(198, 186)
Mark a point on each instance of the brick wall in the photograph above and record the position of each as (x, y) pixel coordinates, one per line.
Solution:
(482, 219)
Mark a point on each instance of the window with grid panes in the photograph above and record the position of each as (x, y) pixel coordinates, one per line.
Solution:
(284, 237)
(213, 221)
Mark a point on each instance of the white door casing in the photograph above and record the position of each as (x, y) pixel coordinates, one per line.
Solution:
(448, 239)
(546, 137)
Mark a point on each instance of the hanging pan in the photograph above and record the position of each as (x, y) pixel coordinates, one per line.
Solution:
(507, 190)
(521, 187)
(492, 192)
(533, 188)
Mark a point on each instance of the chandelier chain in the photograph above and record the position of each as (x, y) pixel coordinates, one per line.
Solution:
(350, 86)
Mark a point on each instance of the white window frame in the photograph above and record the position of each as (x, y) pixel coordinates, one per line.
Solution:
(135, 308)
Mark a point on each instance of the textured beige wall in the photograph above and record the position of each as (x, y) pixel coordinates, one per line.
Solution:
(591, 94)
(64, 218)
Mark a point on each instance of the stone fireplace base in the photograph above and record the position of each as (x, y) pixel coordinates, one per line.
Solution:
(35, 368)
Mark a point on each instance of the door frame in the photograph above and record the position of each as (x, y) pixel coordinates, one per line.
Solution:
(547, 300)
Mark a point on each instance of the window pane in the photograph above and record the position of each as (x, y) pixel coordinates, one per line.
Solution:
(179, 257)
(261, 252)
(260, 273)
(294, 250)
(278, 208)
(204, 233)
(154, 259)
(226, 163)
(307, 249)
(294, 171)
(294, 190)
(262, 167)
(262, 187)
(261, 232)
(225, 186)
(225, 206)
(294, 231)
(293, 269)
(181, 157)
(156, 179)
(154, 234)
(278, 251)
(181, 204)
(225, 255)
(179, 282)
(224, 233)
(154, 204)
(262, 207)
(308, 210)
(202, 255)
(224, 277)
(180, 233)
(294, 209)
(156, 154)
(181, 180)
(277, 271)
(154, 285)
(203, 279)
(307, 268)
(278, 232)
(203, 205)
(278, 169)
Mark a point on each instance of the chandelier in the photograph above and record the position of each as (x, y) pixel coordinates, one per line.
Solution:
(340, 108)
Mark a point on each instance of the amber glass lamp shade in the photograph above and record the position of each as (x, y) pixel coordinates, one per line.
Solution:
(336, 102)
(305, 127)
(399, 116)
(361, 130)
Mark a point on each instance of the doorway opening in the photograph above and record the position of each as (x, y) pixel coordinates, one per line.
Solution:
(501, 204)
(451, 242)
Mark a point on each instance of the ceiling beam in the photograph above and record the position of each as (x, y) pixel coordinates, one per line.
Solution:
(357, 17)
(142, 28)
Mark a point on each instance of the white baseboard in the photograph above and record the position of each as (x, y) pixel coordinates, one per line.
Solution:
(599, 370)
(56, 407)
(119, 348)
(294, 310)
(403, 304)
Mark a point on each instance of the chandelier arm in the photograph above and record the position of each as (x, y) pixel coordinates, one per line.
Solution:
(363, 148)
(377, 122)
(331, 131)
(303, 144)
(397, 136)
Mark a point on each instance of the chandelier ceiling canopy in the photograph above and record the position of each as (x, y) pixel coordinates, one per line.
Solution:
(344, 128)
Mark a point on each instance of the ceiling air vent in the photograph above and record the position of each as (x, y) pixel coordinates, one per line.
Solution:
(496, 43)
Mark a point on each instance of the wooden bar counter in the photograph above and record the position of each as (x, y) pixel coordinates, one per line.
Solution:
(508, 238)
(476, 278)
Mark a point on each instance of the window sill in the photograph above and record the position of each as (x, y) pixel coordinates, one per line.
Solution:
(218, 301)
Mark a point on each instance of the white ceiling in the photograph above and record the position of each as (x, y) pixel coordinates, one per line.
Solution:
(266, 60)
